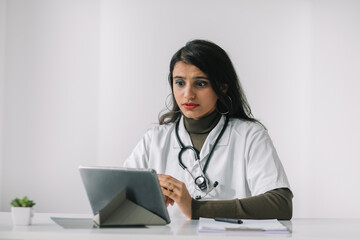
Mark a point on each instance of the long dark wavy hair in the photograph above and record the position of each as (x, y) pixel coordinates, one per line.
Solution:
(216, 64)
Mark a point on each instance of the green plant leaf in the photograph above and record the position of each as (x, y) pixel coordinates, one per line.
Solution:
(25, 202)
(16, 202)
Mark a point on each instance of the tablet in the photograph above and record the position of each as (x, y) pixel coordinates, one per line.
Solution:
(142, 186)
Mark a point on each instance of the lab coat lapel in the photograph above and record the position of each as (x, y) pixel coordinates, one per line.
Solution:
(211, 138)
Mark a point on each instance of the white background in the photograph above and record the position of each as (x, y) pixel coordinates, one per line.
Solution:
(81, 81)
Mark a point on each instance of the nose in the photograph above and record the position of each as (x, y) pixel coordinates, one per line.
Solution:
(189, 92)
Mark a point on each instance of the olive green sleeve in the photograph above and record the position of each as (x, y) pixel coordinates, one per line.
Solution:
(274, 204)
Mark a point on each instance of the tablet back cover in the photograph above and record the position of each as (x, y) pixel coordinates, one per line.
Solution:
(102, 184)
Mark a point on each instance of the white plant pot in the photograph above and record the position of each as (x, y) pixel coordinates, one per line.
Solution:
(22, 216)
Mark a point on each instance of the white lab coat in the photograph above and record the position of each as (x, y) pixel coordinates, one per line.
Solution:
(244, 161)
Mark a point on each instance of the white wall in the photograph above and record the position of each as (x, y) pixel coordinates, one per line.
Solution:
(85, 92)
(334, 161)
(2, 68)
(51, 96)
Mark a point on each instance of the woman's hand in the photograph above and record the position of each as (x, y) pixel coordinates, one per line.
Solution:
(175, 191)
(168, 201)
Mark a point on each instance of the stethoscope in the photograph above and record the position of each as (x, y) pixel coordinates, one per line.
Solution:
(201, 182)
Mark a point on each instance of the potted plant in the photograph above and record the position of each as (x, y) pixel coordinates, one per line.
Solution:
(22, 211)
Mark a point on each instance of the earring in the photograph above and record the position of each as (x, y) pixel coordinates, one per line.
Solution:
(223, 103)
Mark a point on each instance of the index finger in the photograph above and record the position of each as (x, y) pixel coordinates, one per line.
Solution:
(163, 177)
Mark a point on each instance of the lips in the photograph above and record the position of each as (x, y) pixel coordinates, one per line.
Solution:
(190, 106)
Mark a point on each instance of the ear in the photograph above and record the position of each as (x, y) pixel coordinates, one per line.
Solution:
(224, 88)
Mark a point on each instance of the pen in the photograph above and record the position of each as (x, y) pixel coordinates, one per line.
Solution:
(229, 220)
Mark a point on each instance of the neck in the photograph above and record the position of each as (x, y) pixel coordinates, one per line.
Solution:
(199, 129)
(202, 125)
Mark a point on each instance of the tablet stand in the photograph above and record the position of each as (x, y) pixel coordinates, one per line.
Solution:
(120, 211)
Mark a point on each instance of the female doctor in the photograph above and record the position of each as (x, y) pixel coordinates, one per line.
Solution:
(214, 158)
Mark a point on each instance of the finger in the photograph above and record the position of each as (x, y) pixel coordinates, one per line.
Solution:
(167, 178)
(175, 195)
(169, 183)
(168, 186)
(168, 193)
(173, 188)
(166, 201)
(169, 201)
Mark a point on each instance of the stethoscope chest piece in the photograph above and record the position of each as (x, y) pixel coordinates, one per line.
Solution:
(201, 183)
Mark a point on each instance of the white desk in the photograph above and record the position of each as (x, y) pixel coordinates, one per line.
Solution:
(44, 228)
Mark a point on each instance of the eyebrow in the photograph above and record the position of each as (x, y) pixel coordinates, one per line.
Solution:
(201, 77)
(196, 78)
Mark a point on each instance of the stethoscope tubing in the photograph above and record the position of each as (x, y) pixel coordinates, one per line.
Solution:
(184, 148)
(216, 142)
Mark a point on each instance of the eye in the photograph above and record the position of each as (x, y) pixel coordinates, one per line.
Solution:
(201, 83)
(180, 83)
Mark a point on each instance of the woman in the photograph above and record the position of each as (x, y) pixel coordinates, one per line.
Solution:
(238, 173)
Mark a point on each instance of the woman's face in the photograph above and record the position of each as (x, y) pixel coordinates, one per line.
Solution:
(192, 91)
